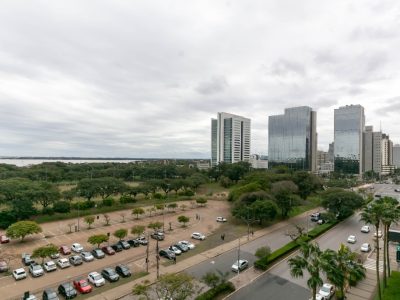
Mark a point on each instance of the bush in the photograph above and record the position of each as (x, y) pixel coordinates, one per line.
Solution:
(83, 205)
(48, 211)
(158, 196)
(211, 294)
(108, 201)
(7, 218)
(187, 193)
(126, 199)
(62, 207)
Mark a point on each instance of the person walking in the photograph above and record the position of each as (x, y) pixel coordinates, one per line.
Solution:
(174, 259)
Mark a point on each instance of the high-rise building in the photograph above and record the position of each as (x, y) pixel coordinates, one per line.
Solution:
(230, 139)
(330, 152)
(396, 156)
(292, 139)
(349, 122)
(387, 155)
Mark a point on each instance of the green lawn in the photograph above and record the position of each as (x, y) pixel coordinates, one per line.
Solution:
(392, 292)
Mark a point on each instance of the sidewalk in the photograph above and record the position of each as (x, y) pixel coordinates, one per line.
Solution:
(123, 290)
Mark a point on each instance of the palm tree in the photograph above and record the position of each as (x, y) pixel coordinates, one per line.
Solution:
(391, 215)
(372, 214)
(311, 259)
(342, 269)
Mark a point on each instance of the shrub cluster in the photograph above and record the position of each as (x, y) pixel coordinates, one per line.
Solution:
(211, 294)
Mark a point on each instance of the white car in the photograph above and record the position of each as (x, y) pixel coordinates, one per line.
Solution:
(76, 247)
(63, 263)
(365, 229)
(240, 265)
(49, 266)
(36, 270)
(96, 279)
(221, 219)
(188, 244)
(365, 247)
(175, 250)
(19, 273)
(352, 239)
(327, 291)
(318, 297)
(379, 234)
(87, 256)
(198, 236)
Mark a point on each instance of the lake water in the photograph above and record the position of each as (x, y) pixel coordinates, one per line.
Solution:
(30, 161)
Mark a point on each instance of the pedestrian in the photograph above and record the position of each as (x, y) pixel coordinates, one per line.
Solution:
(223, 236)
(252, 233)
(174, 259)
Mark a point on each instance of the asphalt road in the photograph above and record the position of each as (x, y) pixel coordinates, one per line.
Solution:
(278, 284)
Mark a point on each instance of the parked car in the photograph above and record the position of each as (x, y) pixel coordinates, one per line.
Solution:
(117, 247)
(76, 247)
(50, 266)
(221, 219)
(365, 229)
(198, 236)
(188, 244)
(176, 250)
(240, 265)
(397, 190)
(28, 296)
(315, 217)
(63, 263)
(181, 247)
(108, 250)
(49, 294)
(167, 253)
(158, 235)
(98, 253)
(67, 290)
(379, 234)
(55, 255)
(64, 250)
(96, 279)
(321, 221)
(123, 270)
(36, 270)
(125, 245)
(327, 291)
(110, 274)
(4, 239)
(142, 240)
(3, 266)
(87, 256)
(365, 247)
(19, 274)
(352, 239)
(133, 243)
(26, 259)
(75, 260)
(82, 286)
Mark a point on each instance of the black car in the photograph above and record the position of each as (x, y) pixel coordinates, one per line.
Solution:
(75, 260)
(123, 270)
(67, 290)
(133, 243)
(49, 294)
(167, 254)
(182, 247)
(124, 244)
(110, 274)
(98, 253)
(117, 247)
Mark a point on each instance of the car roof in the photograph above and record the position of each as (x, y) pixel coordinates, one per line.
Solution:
(94, 273)
(328, 285)
(19, 270)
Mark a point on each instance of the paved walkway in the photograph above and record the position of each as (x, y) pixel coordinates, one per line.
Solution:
(123, 290)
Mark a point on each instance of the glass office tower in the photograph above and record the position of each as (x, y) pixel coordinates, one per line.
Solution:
(292, 139)
(348, 130)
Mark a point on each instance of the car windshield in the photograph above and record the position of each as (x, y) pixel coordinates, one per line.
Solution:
(36, 267)
(83, 283)
(97, 277)
(123, 269)
(325, 289)
(20, 272)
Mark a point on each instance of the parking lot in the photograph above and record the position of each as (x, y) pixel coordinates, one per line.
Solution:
(56, 233)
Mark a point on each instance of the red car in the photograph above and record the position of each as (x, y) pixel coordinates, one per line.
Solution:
(82, 286)
(65, 250)
(4, 239)
(108, 250)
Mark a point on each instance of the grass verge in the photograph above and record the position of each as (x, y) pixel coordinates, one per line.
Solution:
(392, 291)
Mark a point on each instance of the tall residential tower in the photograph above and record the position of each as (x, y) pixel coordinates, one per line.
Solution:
(292, 139)
(230, 139)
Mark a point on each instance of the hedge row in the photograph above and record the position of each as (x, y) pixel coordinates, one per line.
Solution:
(264, 262)
(211, 294)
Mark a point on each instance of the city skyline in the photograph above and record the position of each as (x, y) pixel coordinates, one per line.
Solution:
(124, 79)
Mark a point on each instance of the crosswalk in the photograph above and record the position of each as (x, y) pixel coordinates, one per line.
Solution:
(371, 264)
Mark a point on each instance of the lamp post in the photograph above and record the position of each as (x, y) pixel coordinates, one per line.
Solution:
(147, 252)
(238, 264)
(165, 204)
(158, 261)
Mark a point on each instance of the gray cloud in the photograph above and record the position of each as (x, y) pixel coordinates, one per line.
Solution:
(212, 86)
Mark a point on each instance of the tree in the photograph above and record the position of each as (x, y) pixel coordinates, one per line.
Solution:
(137, 211)
(120, 233)
(87, 188)
(201, 201)
(108, 186)
(172, 206)
(107, 219)
(46, 194)
(137, 230)
(97, 239)
(23, 228)
(45, 251)
(372, 214)
(89, 220)
(307, 183)
(340, 202)
(180, 286)
(263, 252)
(283, 192)
(311, 259)
(264, 210)
(183, 206)
(141, 290)
(160, 206)
(212, 279)
(122, 215)
(70, 224)
(155, 225)
(183, 219)
(151, 210)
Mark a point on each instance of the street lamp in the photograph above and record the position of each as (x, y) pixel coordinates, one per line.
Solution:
(165, 204)
(238, 263)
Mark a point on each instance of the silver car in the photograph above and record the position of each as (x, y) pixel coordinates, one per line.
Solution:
(240, 265)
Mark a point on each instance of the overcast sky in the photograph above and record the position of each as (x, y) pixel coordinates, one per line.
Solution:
(144, 78)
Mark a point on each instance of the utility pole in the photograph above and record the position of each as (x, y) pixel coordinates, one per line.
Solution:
(238, 257)
(158, 261)
(147, 252)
